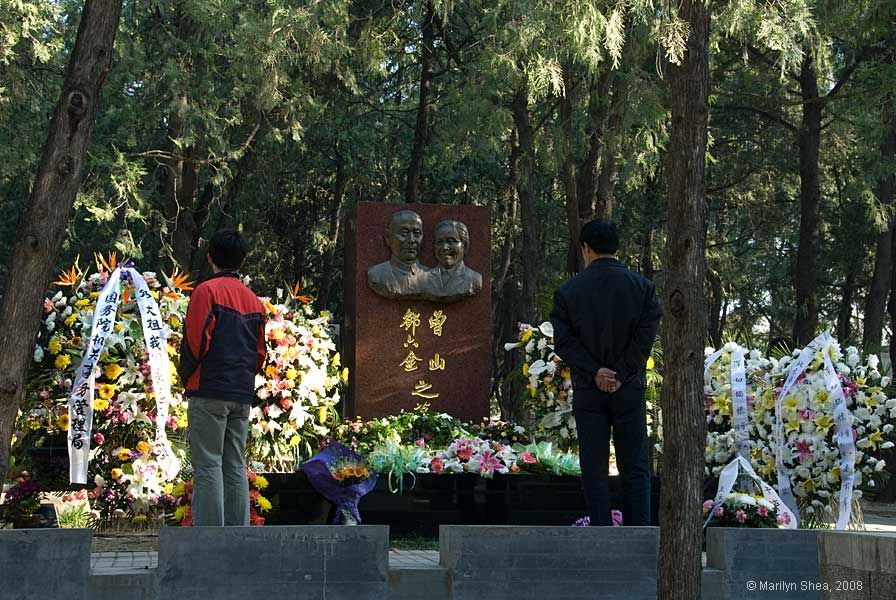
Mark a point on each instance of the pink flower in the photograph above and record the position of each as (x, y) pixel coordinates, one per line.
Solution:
(762, 511)
(718, 511)
(807, 414)
(420, 443)
(489, 463)
(98, 438)
(44, 394)
(616, 515)
(436, 466)
(527, 458)
(741, 516)
(804, 447)
(465, 453)
(707, 506)
(783, 519)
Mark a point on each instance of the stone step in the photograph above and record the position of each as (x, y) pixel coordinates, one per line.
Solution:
(713, 584)
(432, 583)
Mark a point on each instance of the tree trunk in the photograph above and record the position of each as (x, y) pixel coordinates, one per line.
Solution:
(598, 108)
(809, 138)
(574, 260)
(609, 168)
(684, 318)
(875, 301)
(524, 188)
(46, 217)
(328, 271)
(844, 315)
(716, 307)
(421, 132)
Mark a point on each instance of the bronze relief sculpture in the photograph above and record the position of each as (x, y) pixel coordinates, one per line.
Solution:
(404, 277)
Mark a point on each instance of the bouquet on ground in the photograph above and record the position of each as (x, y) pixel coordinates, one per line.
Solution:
(474, 455)
(342, 477)
(543, 458)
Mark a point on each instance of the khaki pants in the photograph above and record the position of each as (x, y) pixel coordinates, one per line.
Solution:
(217, 432)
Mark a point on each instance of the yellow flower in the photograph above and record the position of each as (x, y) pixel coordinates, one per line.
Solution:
(650, 363)
(322, 414)
(117, 473)
(112, 371)
(124, 454)
(143, 447)
(291, 373)
(294, 441)
(70, 319)
(100, 404)
(35, 425)
(182, 421)
(823, 424)
(77, 341)
(94, 295)
(139, 519)
(527, 335)
(270, 371)
(168, 488)
(260, 482)
(178, 490)
(55, 346)
(264, 505)
(180, 513)
(345, 375)
(105, 390)
(336, 361)
(525, 370)
(82, 302)
(174, 322)
(62, 361)
(62, 421)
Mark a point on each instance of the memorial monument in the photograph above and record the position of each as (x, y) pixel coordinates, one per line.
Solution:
(418, 309)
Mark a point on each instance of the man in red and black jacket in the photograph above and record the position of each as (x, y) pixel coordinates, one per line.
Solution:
(223, 348)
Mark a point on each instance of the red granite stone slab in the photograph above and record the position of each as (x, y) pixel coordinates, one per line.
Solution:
(375, 341)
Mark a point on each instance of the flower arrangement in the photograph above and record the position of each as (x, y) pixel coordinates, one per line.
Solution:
(550, 392)
(743, 510)
(22, 501)
(810, 450)
(298, 387)
(342, 477)
(182, 498)
(420, 427)
(501, 431)
(615, 515)
(549, 384)
(348, 471)
(474, 455)
(543, 458)
(123, 466)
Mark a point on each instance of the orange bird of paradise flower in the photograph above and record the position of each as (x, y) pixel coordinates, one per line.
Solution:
(295, 294)
(69, 277)
(107, 263)
(181, 281)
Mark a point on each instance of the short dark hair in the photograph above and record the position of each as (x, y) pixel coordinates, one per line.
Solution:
(228, 249)
(601, 235)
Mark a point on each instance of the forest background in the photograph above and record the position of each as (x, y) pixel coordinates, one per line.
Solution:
(277, 116)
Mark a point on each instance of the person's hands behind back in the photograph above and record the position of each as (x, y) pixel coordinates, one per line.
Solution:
(606, 381)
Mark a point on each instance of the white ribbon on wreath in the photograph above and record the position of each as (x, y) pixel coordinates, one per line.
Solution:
(80, 404)
(739, 410)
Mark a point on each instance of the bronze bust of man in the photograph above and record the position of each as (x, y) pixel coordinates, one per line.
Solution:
(452, 280)
(402, 276)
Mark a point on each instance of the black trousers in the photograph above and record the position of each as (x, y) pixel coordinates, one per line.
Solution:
(625, 414)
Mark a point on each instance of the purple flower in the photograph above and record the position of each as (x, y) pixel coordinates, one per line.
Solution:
(617, 517)
(583, 522)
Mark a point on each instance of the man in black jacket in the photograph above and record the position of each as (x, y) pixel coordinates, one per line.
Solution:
(605, 320)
